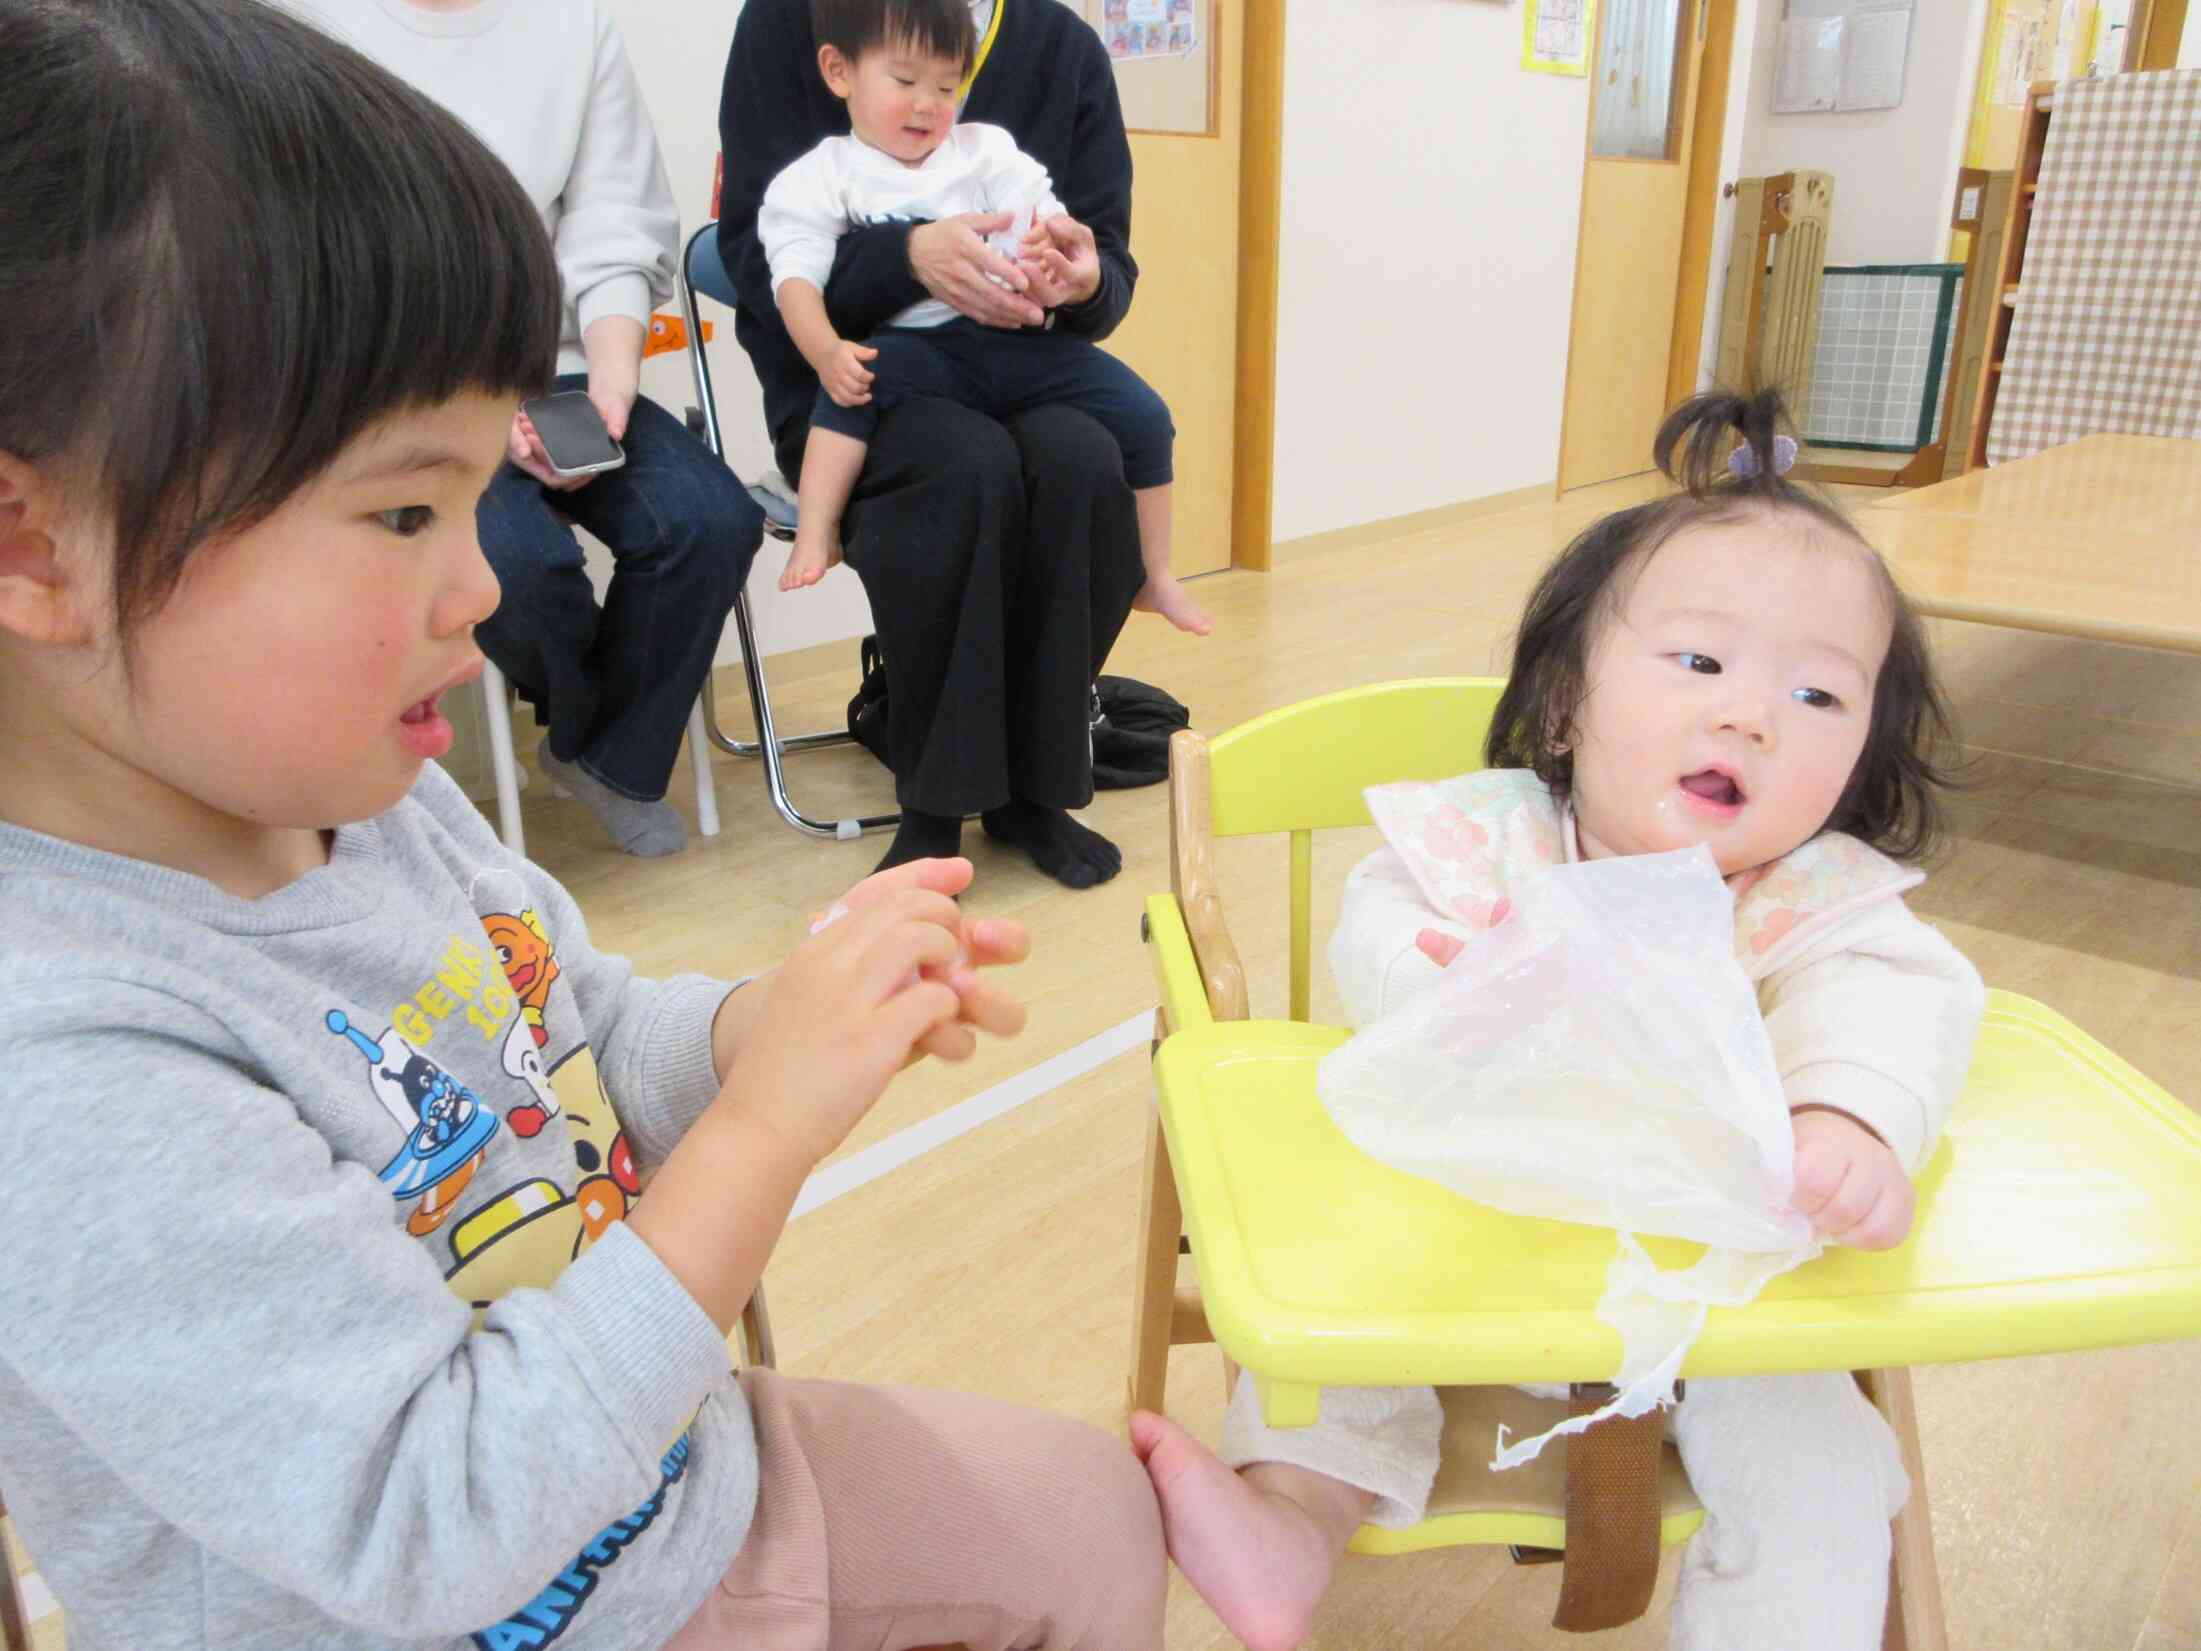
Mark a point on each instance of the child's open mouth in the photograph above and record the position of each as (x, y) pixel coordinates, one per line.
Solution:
(1710, 786)
(427, 732)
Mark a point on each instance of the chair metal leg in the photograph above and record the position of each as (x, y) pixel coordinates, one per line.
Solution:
(769, 745)
(497, 712)
(699, 753)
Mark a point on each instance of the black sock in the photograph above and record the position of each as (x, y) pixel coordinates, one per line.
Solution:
(1066, 851)
(923, 837)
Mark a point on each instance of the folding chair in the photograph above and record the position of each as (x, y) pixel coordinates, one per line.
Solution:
(1316, 1266)
(702, 271)
(504, 764)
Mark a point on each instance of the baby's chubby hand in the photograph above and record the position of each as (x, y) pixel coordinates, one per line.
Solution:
(1849, 1182)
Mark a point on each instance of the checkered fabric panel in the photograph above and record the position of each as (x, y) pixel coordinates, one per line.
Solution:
(2107, 334)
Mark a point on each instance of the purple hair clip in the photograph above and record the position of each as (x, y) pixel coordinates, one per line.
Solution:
(1743, 461)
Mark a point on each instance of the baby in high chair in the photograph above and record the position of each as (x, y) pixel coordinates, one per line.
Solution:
(1730, 665)
(899, 66)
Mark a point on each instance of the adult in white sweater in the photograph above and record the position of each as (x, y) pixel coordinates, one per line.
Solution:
(547, 86)
(1728, 667)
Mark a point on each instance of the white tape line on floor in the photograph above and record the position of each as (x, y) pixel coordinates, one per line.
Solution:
(884, 1157)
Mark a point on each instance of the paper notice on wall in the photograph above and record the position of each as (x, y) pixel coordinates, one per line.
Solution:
(2017, 60)
(1555, 36)
(1809, 77)
(1837, 55)
(1872, 62)
(1150, 28)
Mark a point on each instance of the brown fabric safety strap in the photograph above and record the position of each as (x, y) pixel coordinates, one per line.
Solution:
(1612, 1516)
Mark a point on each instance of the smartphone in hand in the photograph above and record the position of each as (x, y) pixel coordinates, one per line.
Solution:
(572, 433)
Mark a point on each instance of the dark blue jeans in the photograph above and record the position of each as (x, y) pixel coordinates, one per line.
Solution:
(1002, 374)
(614, 684)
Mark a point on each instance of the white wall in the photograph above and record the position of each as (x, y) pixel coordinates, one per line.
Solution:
(1431, 190)
(1894, 169)
(2189, 47)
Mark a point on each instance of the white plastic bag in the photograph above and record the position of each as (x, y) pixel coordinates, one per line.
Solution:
(1599, 1057)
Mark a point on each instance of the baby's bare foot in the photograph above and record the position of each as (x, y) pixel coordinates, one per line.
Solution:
(807, 562)
(1166, 595)
(1261, 1560)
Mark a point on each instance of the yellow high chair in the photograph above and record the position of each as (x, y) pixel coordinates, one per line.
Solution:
(1317, 1266)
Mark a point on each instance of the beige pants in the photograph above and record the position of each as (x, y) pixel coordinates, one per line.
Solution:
(890, 1518)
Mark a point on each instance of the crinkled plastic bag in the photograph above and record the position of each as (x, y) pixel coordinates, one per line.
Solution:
(1599, 1057)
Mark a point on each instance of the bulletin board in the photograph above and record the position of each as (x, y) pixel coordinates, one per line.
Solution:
(1838, 55)
(1165, 62)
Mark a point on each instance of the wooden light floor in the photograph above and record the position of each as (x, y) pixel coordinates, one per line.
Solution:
(2066, 1493)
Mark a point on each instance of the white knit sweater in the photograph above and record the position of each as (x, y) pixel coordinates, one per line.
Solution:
(547, 86)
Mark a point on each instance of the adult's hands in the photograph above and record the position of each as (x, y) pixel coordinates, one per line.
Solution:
(1064, 261)
(952, 261)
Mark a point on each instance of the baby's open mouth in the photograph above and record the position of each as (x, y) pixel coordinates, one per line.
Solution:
(1713, 787)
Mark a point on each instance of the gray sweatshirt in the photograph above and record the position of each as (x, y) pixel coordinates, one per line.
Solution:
(321, 1325)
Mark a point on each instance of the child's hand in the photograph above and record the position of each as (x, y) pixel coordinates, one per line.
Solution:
(525, 449)
(1849, 1182)
(844, 376)
(846, 1011)
(985, 942)
(1066, 251)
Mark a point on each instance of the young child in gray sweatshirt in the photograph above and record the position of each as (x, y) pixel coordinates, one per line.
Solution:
(374, 1239)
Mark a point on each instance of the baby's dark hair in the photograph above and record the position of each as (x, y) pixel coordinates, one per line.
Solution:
(854, 27)
(1891, 800)
(228, 246)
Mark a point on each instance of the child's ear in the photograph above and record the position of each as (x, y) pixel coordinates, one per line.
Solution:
(839, 72)
(38, 601)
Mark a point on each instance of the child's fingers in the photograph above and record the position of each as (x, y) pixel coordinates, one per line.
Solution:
(996, 940)
(1887, 1222)
(950, 876)
(863, 353)
(986, 1006)
(1819, 1178)
(904, 1021)
(951, 1042)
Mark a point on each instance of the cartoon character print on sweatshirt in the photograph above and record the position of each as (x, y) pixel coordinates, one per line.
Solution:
(444, 1127)
(523, 1235)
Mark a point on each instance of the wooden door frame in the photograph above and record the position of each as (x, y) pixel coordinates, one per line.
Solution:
(1260, 220)
(1700, 209)
(1700, 220)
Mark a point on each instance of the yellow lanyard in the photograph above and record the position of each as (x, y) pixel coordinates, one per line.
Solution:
(993, 27)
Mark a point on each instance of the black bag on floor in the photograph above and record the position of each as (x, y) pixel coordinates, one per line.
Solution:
(1130, 724)
(867, 711)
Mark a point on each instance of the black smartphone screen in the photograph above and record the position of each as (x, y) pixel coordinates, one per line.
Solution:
(573, 432)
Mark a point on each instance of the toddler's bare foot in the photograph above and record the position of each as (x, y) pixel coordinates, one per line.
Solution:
(807, 562)
(1261, 1560)
(1166, 595)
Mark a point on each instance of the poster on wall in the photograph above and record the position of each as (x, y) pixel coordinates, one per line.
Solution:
(1838, 55)
(1149, 28)
(1555, 36)
(2019, 60)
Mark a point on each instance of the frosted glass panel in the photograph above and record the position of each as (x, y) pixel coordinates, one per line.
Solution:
(1637, 81)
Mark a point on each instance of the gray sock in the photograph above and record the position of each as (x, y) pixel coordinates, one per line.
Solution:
(646, 829)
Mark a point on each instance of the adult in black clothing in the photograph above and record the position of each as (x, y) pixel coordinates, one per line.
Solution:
(1000, 557)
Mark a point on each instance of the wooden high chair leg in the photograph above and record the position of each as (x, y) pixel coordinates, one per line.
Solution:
(1161, 1225)
(1915, 1618)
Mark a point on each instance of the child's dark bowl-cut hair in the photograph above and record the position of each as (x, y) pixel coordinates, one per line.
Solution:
(854, 27)
(1891, 800)
(228, 246)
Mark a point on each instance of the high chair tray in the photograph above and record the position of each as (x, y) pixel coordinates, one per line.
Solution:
(2061, 1210)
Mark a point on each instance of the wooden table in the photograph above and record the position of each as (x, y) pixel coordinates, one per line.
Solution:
(2100, 539)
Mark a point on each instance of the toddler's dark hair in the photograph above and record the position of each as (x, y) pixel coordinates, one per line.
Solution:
(1890, 801)
(854, 27)
(229, 245)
